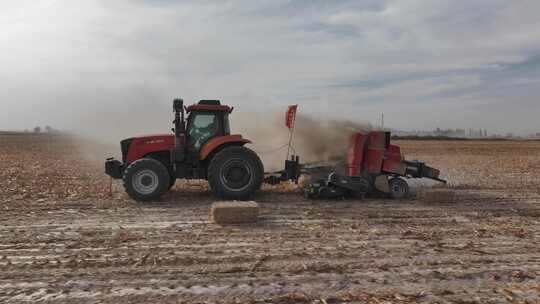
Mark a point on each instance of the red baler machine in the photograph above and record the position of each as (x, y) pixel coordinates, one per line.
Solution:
(374, 165)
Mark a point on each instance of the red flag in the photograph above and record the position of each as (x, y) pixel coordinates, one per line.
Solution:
(290, 116)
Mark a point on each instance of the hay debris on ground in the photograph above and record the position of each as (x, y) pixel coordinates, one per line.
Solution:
(232, 212)
(437, 195)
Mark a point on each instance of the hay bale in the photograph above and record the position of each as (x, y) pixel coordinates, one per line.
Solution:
(437, 195)
(234, 212)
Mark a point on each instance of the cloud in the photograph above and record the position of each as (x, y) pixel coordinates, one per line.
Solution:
(109, 64)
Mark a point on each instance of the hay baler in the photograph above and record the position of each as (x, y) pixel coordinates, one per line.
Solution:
(374, 165)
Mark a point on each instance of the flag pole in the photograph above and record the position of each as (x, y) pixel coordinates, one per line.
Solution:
(291, 131)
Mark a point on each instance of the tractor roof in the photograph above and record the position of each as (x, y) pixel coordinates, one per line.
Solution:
(209, 105)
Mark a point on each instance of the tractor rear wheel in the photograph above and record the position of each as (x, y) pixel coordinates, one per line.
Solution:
(398, 188)
(146, 179)
(235, 173)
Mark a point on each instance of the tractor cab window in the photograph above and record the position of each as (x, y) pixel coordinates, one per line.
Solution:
(203, 127)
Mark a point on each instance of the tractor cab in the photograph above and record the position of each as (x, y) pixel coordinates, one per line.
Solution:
(206, 120)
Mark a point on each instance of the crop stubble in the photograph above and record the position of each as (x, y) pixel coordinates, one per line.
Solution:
(63, 239)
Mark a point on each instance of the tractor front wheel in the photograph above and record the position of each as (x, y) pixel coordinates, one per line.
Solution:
(146, 179)
(398, 188)
(235, 173)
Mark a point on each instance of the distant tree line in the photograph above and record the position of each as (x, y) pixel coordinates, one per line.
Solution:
(452, 133)
(47, 129)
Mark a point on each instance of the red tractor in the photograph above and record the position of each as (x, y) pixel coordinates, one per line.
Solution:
(201, 147)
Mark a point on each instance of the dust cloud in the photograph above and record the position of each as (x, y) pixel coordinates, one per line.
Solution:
(314, 139)
(99, 129)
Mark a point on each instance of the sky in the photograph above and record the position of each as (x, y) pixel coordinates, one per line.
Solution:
(103, 66)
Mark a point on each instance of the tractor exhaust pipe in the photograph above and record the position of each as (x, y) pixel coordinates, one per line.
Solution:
(178, 154)
(179, 122)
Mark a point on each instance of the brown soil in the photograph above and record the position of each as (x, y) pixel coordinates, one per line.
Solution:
(63, 239)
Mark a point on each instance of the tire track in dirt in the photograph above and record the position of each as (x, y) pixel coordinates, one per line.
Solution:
(316, 248)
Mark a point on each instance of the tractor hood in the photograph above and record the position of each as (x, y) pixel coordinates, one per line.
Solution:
(137, 147)
(153, 137)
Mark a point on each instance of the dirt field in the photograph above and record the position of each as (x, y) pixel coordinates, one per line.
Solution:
(64, 239)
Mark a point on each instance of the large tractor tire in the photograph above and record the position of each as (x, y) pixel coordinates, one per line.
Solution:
(399, 188)
(146, 179)
(235, 173)
(165, 161)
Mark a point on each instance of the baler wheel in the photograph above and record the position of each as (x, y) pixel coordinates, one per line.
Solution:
(398, 188)
(235, 173)
(146, 179)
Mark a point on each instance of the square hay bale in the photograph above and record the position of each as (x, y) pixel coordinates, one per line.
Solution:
(233, 212)
(437, 195)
